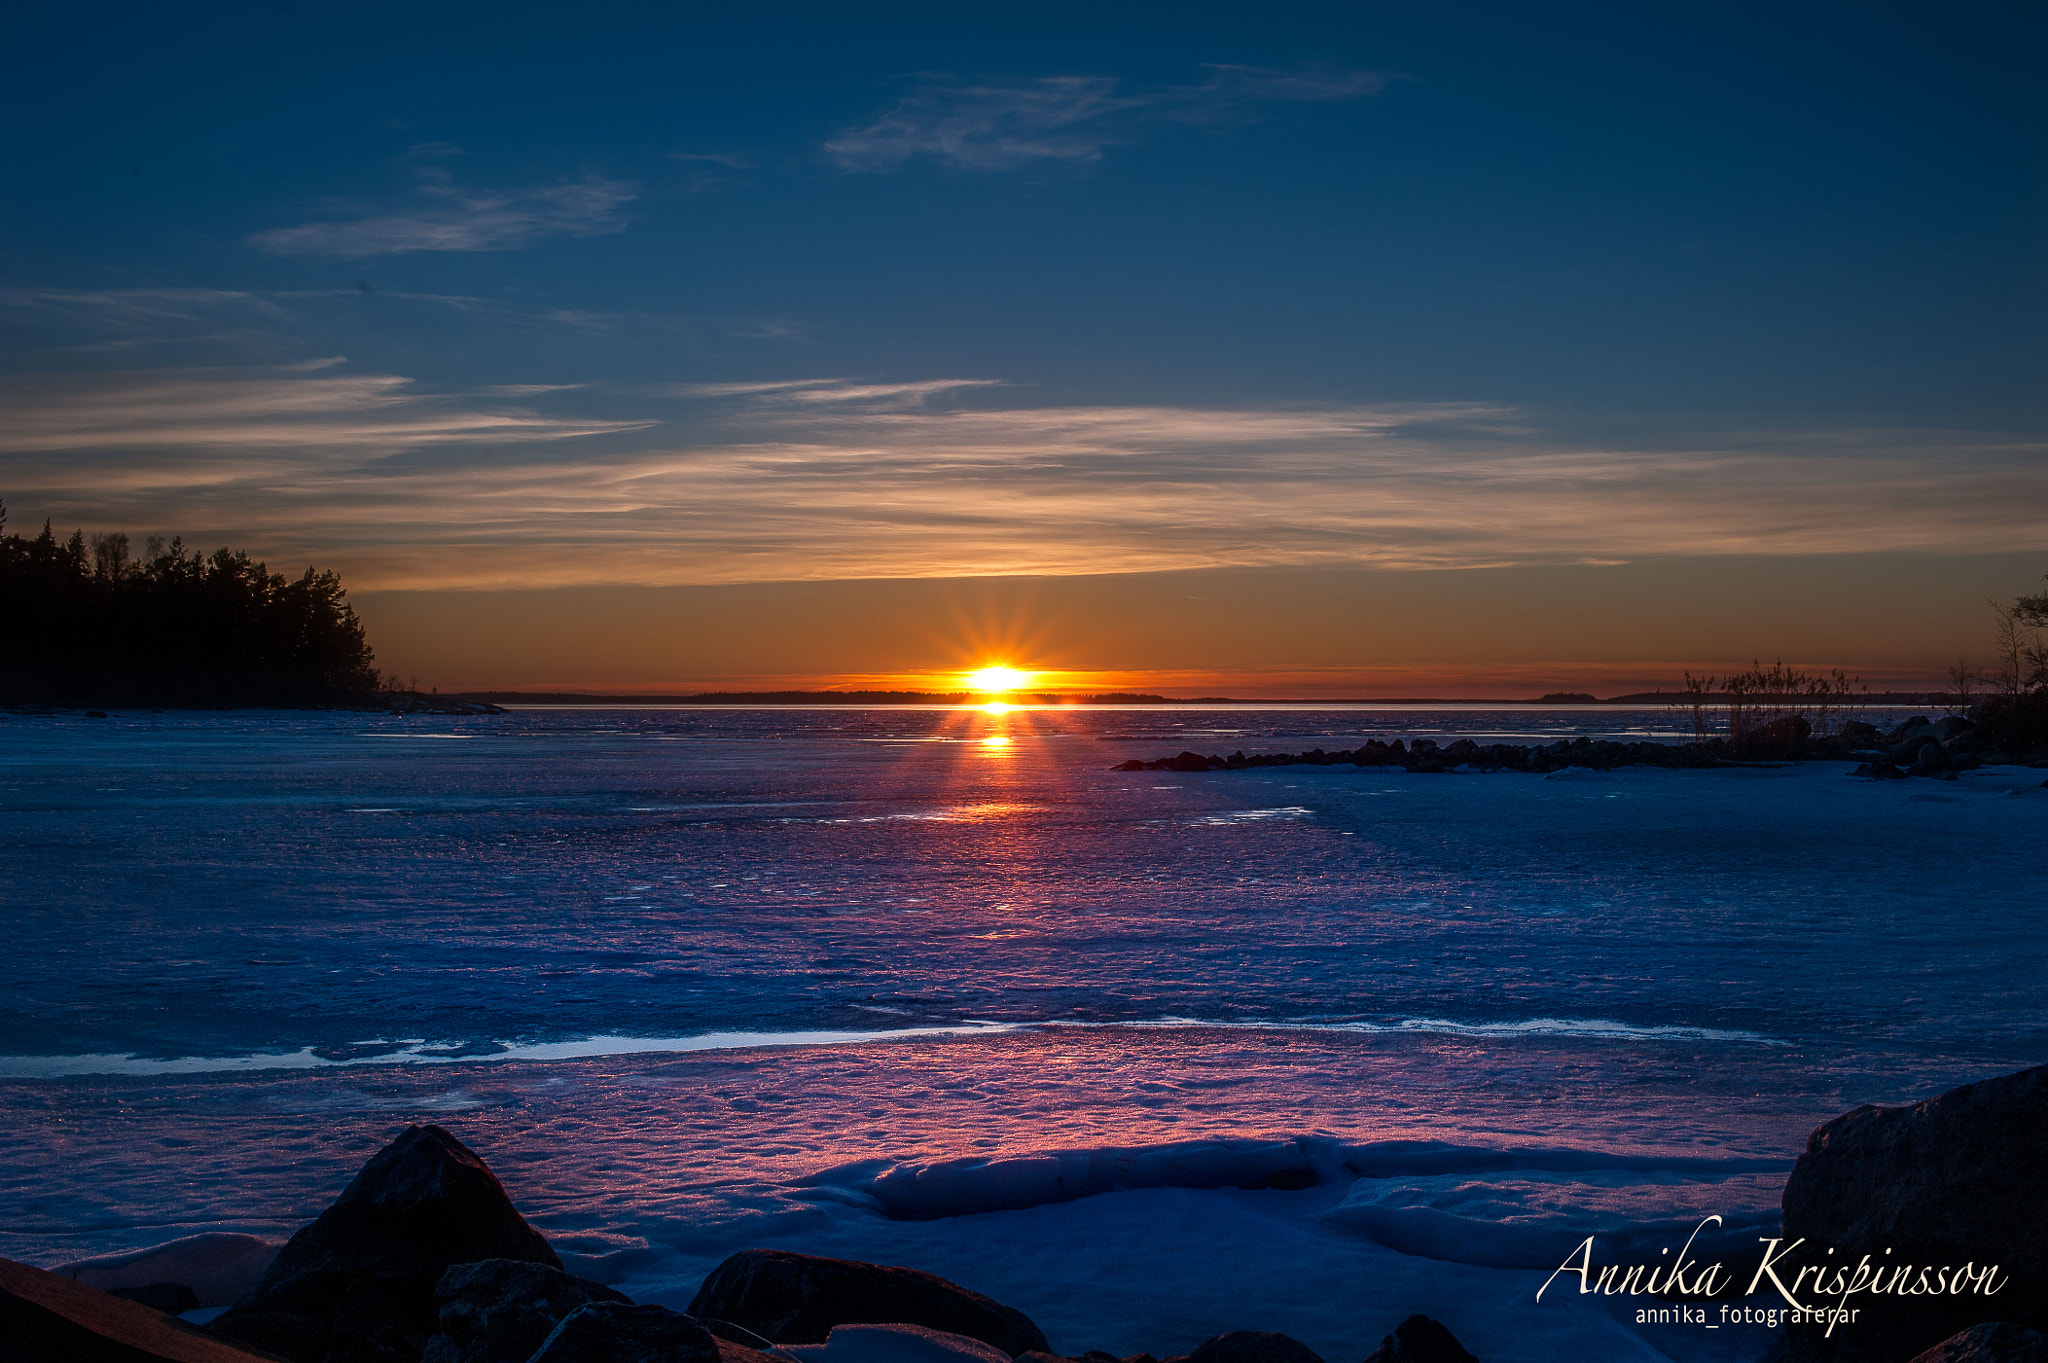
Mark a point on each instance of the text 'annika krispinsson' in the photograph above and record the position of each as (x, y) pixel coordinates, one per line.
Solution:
(1828, 1285)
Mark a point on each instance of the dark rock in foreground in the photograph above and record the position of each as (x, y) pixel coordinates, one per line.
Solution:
(1253, 1346)
(789, 1298)
(1959, 1179)
(1419, 1339)
(1998, 1342)
(614, 1332)
(500, 1310)
(358, 1283)
(48, 1318)
(169, 1298)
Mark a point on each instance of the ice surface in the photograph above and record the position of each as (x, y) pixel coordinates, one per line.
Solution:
(1150, 1057)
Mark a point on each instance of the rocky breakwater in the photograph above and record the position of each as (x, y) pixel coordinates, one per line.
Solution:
(424, 1259)
(1918, 747)
(1924, 747)
(1930, 1222)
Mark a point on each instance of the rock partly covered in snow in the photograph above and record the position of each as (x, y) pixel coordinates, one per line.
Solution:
(50, 1318)
(614, 1332)
(798, 1299)
(895, 1344)
(170, 1298)
(1997, 1342)
(1419, 1339)
(358, 1283)
(1959, 1179)
(500, 1310)
(217, 1266)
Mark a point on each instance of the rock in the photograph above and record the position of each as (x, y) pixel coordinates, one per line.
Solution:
(499, 1310)
(905, 1344)
(612, 1332)
(1419, 1339)
(798, 1298)
(1779, 736)
(1906, 749)
(169, 1298)
(358, 1283)
(1929, 760)
(1998, 1342)
(46, 1316)
(729, 1352)
(1191, 761)
(1954, 726)
(1253, 1346)
(1857, 732)
(1958, 1179)
(1879, 771)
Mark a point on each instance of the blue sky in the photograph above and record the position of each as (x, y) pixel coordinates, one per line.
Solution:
(695, 294)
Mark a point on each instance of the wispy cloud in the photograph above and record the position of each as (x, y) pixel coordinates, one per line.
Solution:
(1068, 118)
(215, 414)
(406, 489)
(831, 390)
(123, 319)
(457, 219)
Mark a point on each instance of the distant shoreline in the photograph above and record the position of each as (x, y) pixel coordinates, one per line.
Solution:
(1659, 699)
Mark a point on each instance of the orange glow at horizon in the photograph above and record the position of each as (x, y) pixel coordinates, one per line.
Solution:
(997, 677)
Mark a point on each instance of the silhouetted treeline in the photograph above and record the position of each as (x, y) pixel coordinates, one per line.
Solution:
(84, 623)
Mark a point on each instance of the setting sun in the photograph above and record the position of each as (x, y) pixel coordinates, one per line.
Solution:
(997, 679)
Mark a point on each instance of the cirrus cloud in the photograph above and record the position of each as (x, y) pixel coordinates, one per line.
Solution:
(757, 482)
(1071, 119)
(456, 219)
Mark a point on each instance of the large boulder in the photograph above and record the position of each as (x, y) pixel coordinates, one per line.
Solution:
(608, 1332)
(1959, 1179)
(357, 1285)
(1778, 737)
(500, 1310)
(1997, 1342)
(1419, 1339)
(49, 1318)
(797, 1298)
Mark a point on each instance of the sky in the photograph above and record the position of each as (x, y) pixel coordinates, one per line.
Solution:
(1267, 349)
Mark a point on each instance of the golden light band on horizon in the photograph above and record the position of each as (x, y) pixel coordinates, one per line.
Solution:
(997, 677)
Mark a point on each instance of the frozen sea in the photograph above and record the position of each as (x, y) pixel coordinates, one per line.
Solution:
(1147, 1055)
